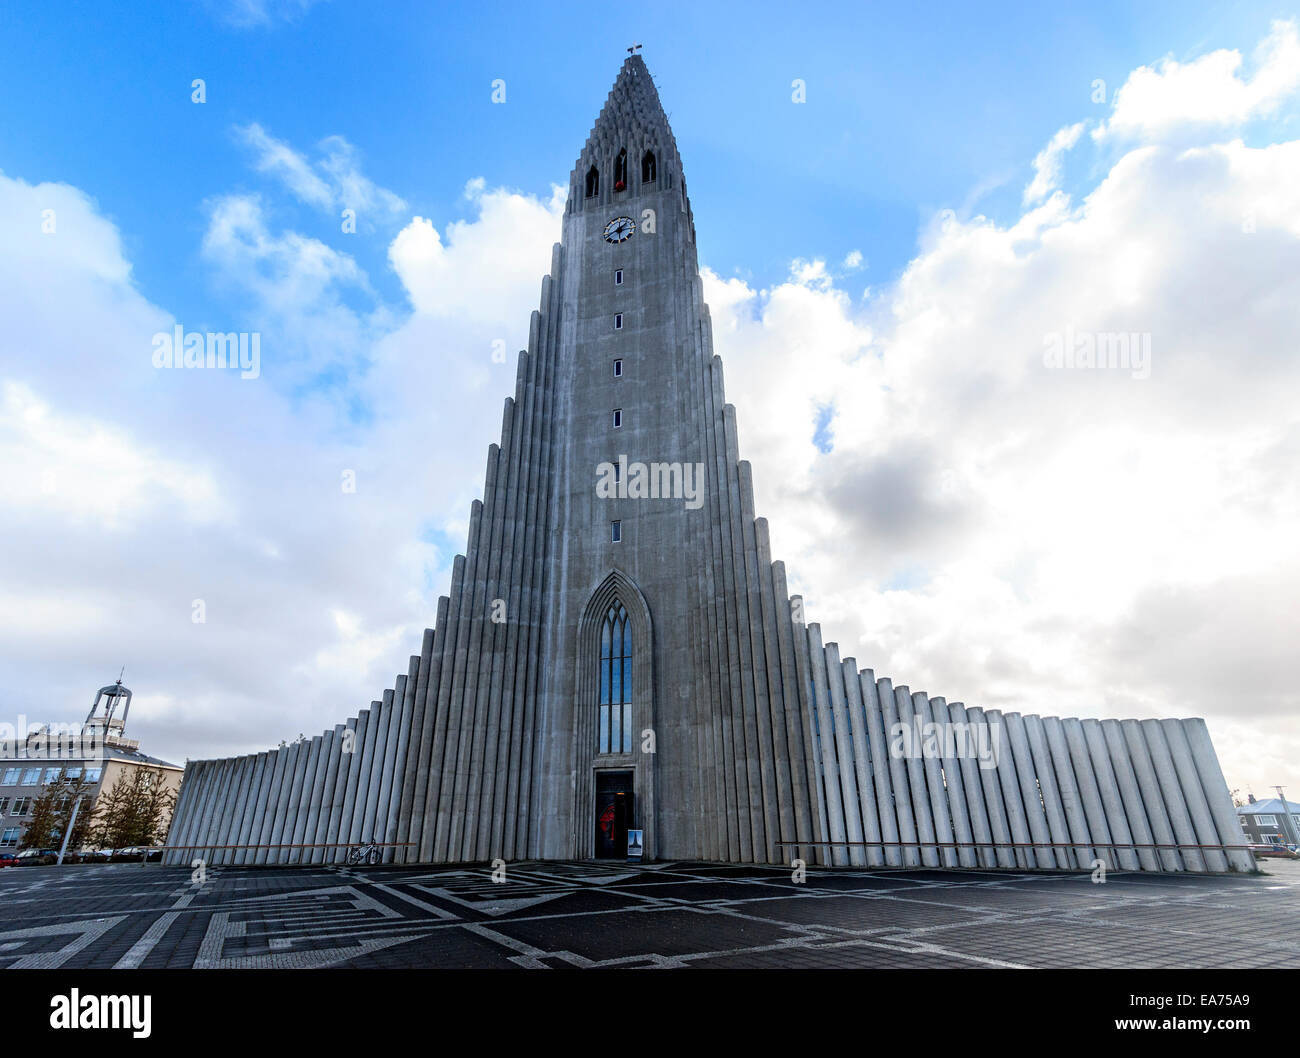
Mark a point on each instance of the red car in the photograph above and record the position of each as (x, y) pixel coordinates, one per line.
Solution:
(8, 858)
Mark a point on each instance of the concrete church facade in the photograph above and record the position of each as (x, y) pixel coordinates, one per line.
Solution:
(619, 650)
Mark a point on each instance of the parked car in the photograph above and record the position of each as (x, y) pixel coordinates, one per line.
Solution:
(8, 858)
(93, 855)
(37, 857)
(1281, 851)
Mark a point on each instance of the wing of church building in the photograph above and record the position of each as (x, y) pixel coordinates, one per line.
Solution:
(619, 651)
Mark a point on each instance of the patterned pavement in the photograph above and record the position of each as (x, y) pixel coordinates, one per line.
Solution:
(666, 915)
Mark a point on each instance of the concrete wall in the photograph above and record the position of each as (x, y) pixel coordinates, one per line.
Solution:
(958, 787)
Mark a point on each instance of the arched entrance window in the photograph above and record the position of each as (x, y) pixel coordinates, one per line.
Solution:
(614, 730)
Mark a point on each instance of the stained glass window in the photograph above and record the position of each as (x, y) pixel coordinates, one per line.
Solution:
(615, 727)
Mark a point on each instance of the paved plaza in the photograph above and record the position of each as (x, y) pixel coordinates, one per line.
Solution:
(657, 915)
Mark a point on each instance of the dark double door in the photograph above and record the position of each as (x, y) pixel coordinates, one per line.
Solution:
(614, 813)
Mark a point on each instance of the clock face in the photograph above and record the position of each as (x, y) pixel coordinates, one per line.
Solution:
(619, 229)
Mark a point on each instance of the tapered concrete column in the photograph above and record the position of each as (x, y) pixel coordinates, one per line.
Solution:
(1046, 776)
(225, 772)
(416, 734)
(1108, 787)
(294, 805)
(310, 819)
(266, 808)
(968, 788)
(330, 753)
(912, 750)
(308, 802)
(936, 730)
(772, 794)
(346, 759)
(826, 741)
(898, 776)
(237, 834)
(1130, 794)
(250, 823)
(953, 746)
(399, 740)
(480, 814)
(844, 755)
(807, 820)
(376, 771)
(222, 771)
(862, 762)
(880, 768)
(1009, 779)
(1171, 791)
(1089, 794)
(808, 718)
(365, 761)
(427, 761)
(288, 781)
(991, 782)
(205, 776)
(1152, 801)
(790, 795)
(435, 842)
(228, 815)
(187, 811)
(1068, 788)
(1030, 795)
(1226, 820)
(1194, 795)
(356, 768)
(470, 772)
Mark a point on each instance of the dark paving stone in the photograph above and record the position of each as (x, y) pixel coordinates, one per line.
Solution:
(675, 914)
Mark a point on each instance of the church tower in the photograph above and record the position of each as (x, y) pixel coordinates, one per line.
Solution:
(619, 652)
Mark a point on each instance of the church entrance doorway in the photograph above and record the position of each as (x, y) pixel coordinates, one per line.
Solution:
(614, 803)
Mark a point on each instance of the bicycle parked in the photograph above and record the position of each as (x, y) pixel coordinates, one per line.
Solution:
(364, 854)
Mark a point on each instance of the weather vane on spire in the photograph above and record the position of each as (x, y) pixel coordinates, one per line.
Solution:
(634, 49)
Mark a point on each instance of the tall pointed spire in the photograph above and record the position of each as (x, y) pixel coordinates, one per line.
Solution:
(632, 120)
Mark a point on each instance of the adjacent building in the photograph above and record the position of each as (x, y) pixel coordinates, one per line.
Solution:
(1271, 822)
(98, 752)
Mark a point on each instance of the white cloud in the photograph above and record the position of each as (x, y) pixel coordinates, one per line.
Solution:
(247, 14)
(1047, 165)
(1067, 542)
(333, 183)
(483, 266)
(1207, 92)
(135, 492)
(90, 471)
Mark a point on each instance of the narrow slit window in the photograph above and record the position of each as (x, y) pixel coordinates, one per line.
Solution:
(618, 321)
(618, 277)
(616, 531)
(618, 418)
(618, 368)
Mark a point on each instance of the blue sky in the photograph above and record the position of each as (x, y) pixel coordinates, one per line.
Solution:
(957, 515)
(911, 109)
